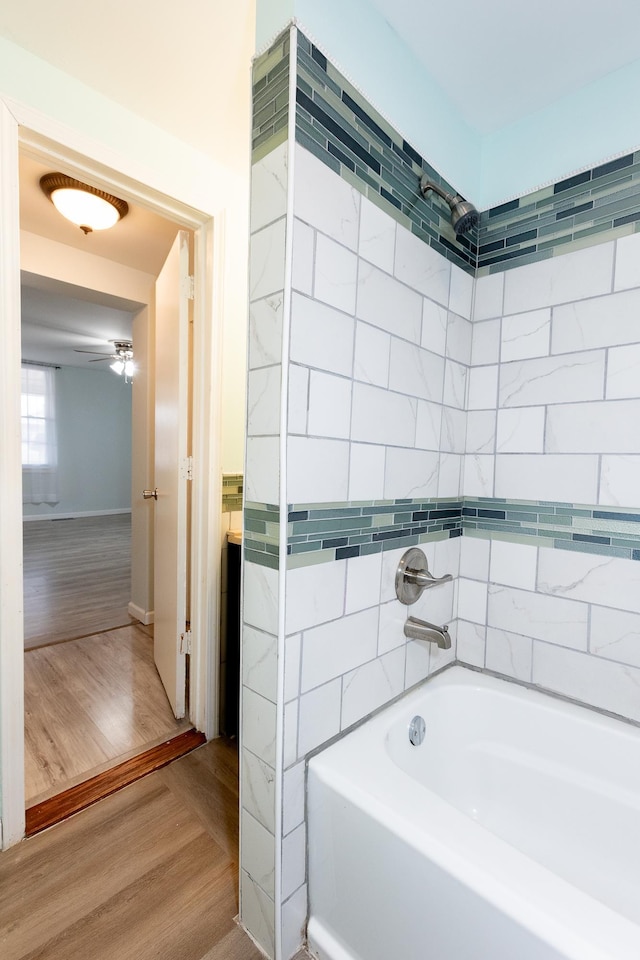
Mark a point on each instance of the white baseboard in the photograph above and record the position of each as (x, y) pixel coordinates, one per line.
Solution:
(144, 616)
(76, 515)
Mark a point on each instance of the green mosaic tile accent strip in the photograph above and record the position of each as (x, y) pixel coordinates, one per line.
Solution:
(232, 486)
(270, 98)
(337, 124)
(591, 207)
(608, 531)
(261, 533)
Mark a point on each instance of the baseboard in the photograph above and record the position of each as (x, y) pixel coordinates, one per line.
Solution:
(144, 616)
(76, 515)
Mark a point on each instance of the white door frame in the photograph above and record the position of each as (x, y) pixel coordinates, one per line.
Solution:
(23, 128)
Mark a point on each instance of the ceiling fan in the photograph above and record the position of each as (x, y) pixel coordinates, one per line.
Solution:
(122, 357)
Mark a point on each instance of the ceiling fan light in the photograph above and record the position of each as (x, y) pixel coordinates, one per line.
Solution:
(88, 207)
(118, 367)
(129, 368)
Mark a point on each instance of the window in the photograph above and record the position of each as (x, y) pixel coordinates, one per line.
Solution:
(39, 453)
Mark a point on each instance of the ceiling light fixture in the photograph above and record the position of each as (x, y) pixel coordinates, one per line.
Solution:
(123, 360)
(88, 207)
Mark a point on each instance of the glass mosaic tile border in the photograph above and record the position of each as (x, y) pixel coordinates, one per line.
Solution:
(591, 207)
(323, 532)
(337, 124)
(232, 487)
(270, 91)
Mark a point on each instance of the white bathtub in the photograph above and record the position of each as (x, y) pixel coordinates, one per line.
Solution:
(511, 833)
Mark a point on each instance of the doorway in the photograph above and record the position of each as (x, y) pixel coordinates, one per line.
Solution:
(206, 520)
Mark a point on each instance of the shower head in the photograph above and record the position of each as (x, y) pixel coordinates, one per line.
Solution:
(464, 215)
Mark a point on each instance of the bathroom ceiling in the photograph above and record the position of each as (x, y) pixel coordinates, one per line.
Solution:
(500, 60)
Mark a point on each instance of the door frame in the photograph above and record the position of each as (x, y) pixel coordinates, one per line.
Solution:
(23, 128)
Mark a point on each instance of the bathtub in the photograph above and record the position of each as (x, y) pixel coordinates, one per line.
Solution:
(511, 833)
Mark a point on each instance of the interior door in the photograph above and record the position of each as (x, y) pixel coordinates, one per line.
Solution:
(171, 449)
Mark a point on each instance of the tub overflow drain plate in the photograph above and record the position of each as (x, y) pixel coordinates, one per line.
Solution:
(417, 729)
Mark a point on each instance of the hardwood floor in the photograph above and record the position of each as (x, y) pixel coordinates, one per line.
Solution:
(77, 577)
(148, 873)
(89, 704)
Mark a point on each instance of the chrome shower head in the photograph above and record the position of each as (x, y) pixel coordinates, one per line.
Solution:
(464, 215)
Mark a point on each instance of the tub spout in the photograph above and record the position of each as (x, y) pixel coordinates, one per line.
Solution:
(429, 632)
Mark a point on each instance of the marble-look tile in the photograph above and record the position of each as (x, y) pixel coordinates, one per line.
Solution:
(459, 339)
(611, 426)
(290, 735)
(472, 600)
(454, 430)
(303, 257)
(393, 616)
(269, 188)
(293, 787)
(601, 683)
(363, 582)
(335, 276)
(380, 416)
(551, 380)
(520, 430)
(513, 564)
(615, 635)
(509, 653)
(260, 608)
(607, 581)
(526, 335)
(298, 399)
(546, 477)
(262, 470)
(481, 431)
(428, 425)
(371, 361)
(263, 401)
(461, 292)
(294, 921)
(478, 475)
(325, 200)
(485, 342)
(257, 914)
(293, 655)
(315, 595)
(257, 853)
(320, 336)
(366, 471)
(450, 475)
(622, 372)
(436, 605)
(421, 268)
(620, 481)
(329, 405)
(439, 657)
(388, 304)
(529, 614)
(294, 865)
(488, 297)
(435, 318)
(602, 322)
(470, 646)
(372, 685)
(258, 789)
(627, 273)
(317, 470)
(455, 384)
(377, 236)
(482, 388)
(260, 662)
(334, 648)
(573, 276)
(259, 726)
(410, 473)
(415, 371)
(417, 663)
(267, 258)
(474, 557)
(265, 331)
(319, 718)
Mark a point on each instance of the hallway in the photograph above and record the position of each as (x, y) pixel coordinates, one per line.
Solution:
(148, 873)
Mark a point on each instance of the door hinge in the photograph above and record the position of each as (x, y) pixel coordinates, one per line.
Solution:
(189, 287)
(185, 642)
(186, 472)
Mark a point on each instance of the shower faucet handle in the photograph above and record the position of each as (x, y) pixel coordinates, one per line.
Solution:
(413, 576)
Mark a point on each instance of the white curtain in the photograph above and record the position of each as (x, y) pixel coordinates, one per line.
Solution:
(39, 448)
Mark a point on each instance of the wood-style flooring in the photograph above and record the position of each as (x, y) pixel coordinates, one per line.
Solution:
(149, 873)
(77, 577)
(89, 704)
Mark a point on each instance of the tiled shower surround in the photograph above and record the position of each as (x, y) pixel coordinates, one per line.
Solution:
(388, 387)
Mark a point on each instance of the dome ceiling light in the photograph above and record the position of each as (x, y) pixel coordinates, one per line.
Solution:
(88, 207)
